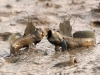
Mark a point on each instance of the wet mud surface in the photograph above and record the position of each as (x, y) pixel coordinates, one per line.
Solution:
(43, 60)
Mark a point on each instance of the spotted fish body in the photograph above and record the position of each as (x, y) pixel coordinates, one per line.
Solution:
(79, 38)
(26, 41)
(71, 42)
(20, 43)
(31, 35)
(87, 38)
(80, 42)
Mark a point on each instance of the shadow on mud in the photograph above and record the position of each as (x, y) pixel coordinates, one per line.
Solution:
(95, 23)
(63, 64)
(72, 57)
(25, 54)
(71, 62)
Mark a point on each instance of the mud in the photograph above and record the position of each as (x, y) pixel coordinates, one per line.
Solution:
(42, 59)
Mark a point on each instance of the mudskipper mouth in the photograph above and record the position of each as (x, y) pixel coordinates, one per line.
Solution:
(49, 34)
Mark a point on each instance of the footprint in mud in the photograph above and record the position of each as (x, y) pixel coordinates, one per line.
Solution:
(59, 53)
(40, 52)
(31, 53)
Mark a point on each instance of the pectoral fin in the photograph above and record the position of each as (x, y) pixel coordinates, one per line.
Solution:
(63, 45)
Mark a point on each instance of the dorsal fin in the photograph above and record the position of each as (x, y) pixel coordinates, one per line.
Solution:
(30, 28)
(66, 28)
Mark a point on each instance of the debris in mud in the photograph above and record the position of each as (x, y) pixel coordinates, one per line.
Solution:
(95, 23)
(40, 52)
(95, 13)
(48, 5)
(56, 6)
(98, 68)
(12, 24)
(79, 71)
(44, 0)
(18, 0)
(99, 6)
(8, 6)
(95, 69)
(73, 60)
(73, 2)
(63, 64)
(95, 10)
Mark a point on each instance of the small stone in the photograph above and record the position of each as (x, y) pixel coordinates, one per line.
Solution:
(8, 6)
(12, 24)
(73, 60)
(17, 0)
(84, 68)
